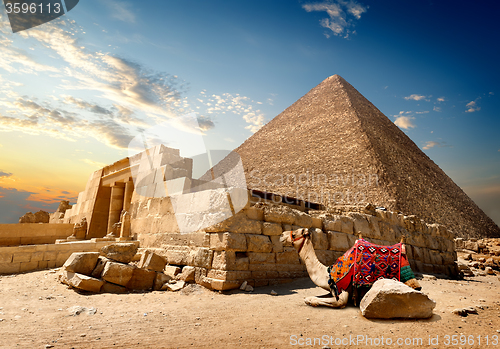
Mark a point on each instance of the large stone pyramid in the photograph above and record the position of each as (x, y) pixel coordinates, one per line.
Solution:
(342, 151)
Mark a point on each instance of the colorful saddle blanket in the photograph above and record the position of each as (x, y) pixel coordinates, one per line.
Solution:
(365, 263)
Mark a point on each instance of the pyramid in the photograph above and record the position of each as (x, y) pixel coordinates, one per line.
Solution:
(334, 147)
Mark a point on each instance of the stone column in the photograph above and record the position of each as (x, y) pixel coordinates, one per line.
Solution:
(127, 198)
(115, 205)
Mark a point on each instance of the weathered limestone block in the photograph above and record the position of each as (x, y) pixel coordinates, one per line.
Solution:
(330, 222)
(303, 220)
(239, 223)
(118, 273)
(255, 213)
(201, 257)
(261, 257)
(80, 281)
(471, 245)
(432, 242)
(142, 279)
(152, 261)
(280, 214)
(288, 257)
(263, 267)
(416, 252)
(328, 257)
(173, 286)
(389, 299)
(258, 243)
(223, 285)
(319, 239)
(229, 275)
(230, 260)
(187, 274)
(317, 222)
(120, 252)
(229, 241)
(178, 255)
(81, 262)
(160, 280)
(38, 217)
(435, 257)
(360, 224)
(271, 229)
(172, 271)
(339, 241)
(277, 244)
(374, 227)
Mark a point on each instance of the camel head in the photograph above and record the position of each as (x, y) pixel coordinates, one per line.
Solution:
(296, 237)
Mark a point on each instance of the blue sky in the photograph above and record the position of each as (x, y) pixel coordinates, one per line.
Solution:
(73, 92)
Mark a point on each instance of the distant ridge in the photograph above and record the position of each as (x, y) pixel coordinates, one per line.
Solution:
(343, 150)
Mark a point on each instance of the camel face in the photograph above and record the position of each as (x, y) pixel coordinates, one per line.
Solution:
(294, 238)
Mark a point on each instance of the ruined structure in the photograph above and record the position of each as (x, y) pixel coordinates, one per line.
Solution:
(334, 147)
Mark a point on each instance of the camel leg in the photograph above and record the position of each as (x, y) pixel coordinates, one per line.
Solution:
(328, 300)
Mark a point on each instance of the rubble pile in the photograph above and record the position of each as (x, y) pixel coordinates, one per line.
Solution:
(478, 257)
(113, 271)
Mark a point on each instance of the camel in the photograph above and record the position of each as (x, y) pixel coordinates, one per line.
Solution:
(320, 274)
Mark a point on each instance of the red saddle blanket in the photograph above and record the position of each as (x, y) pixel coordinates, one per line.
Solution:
(365, 263)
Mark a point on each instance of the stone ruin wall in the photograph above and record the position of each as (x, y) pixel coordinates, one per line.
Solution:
(247, 247)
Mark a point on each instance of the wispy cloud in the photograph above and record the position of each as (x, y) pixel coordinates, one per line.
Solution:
(341, 14)
(432, 144)
(121, 10)
(472, 106)
(93, 163)
(438, 109)
(441, 99)
(416, 97)
(5, 174)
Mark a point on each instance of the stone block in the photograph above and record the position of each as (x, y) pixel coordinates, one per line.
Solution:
(187, 274)
(49, 255)
(21, 257)
(62, 257)
(258, 243)
(239, 224)
(142, 279)
(331, 223)
(80, 281)
(360, 224)
(120, 252)
(10, 268)
(117, 273)
(319, 239)
(374, 227)
(223, 285)
(172, 271)
(389, 299)
(303, 220)
(229, 275)
(28, 266)
(201, 257)
(42, 265)
(288, 257)
(277, 244)
(263, 267)
(280, 214)
(261, 258)
(271, 229)
(51, 264)
(339, 241)
(255, 213)
(259, 274)
(347, 225)
(37, 256)
(317, 222)
(151, 261)
(328, 257)
(435, 257)
(81, 262)
(228, 242)
(5, 257)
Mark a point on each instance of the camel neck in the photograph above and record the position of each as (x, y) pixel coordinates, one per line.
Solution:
(316, 270)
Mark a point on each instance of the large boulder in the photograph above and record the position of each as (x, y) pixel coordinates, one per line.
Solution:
(142, 279)
(117, 273)
(152, 261)
(389, 299)
(80, 281)
(120, 252)
(81, 262)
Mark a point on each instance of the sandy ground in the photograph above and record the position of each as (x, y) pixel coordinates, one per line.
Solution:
(34, 313)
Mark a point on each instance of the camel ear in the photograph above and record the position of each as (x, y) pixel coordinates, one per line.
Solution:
(306, 232)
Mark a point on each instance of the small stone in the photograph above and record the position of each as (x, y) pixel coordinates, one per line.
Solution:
(490, 271)
(249, 288)
(76, 310)
(274, 293)
(49, 346)
(243, 285)
(120, 252)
